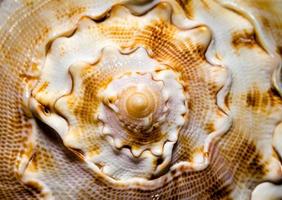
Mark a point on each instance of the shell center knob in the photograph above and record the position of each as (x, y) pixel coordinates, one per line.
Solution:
(139, 105)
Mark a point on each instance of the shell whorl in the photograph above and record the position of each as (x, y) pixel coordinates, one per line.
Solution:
(140, 100)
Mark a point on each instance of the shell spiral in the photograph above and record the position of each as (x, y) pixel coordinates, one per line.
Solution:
(140, 99)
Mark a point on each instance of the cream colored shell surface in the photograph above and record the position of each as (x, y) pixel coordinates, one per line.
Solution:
(140, 99)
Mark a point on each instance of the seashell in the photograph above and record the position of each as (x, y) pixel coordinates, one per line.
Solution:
(140, 99)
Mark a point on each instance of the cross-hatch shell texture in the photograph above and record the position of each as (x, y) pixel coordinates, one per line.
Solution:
(161, 99)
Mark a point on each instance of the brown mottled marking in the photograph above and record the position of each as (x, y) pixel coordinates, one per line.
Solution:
(213, 88)
(42, 87)
(199, 150)
(243, 157)
(73, 11)
(182, 3)
(256, 100)
(274, 97)
(36, 187)
(228, 99)
(41, 158)
(28, 3)
(255, 165)
(205, 4)
(265, 22)
(243, 39)
(84, 107)
(27, 77)
(279, 50)
(187, 6)
(220, 191)
(159, 38)
(156, 36)
(43, 35)
(28, 148)
(215, 189)
(87, 69)
(142, 138)
(34, 67)
(186, 149)
(259, 101)
(33, 164)
(209, 127)
(252, 98)
(261, 5)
